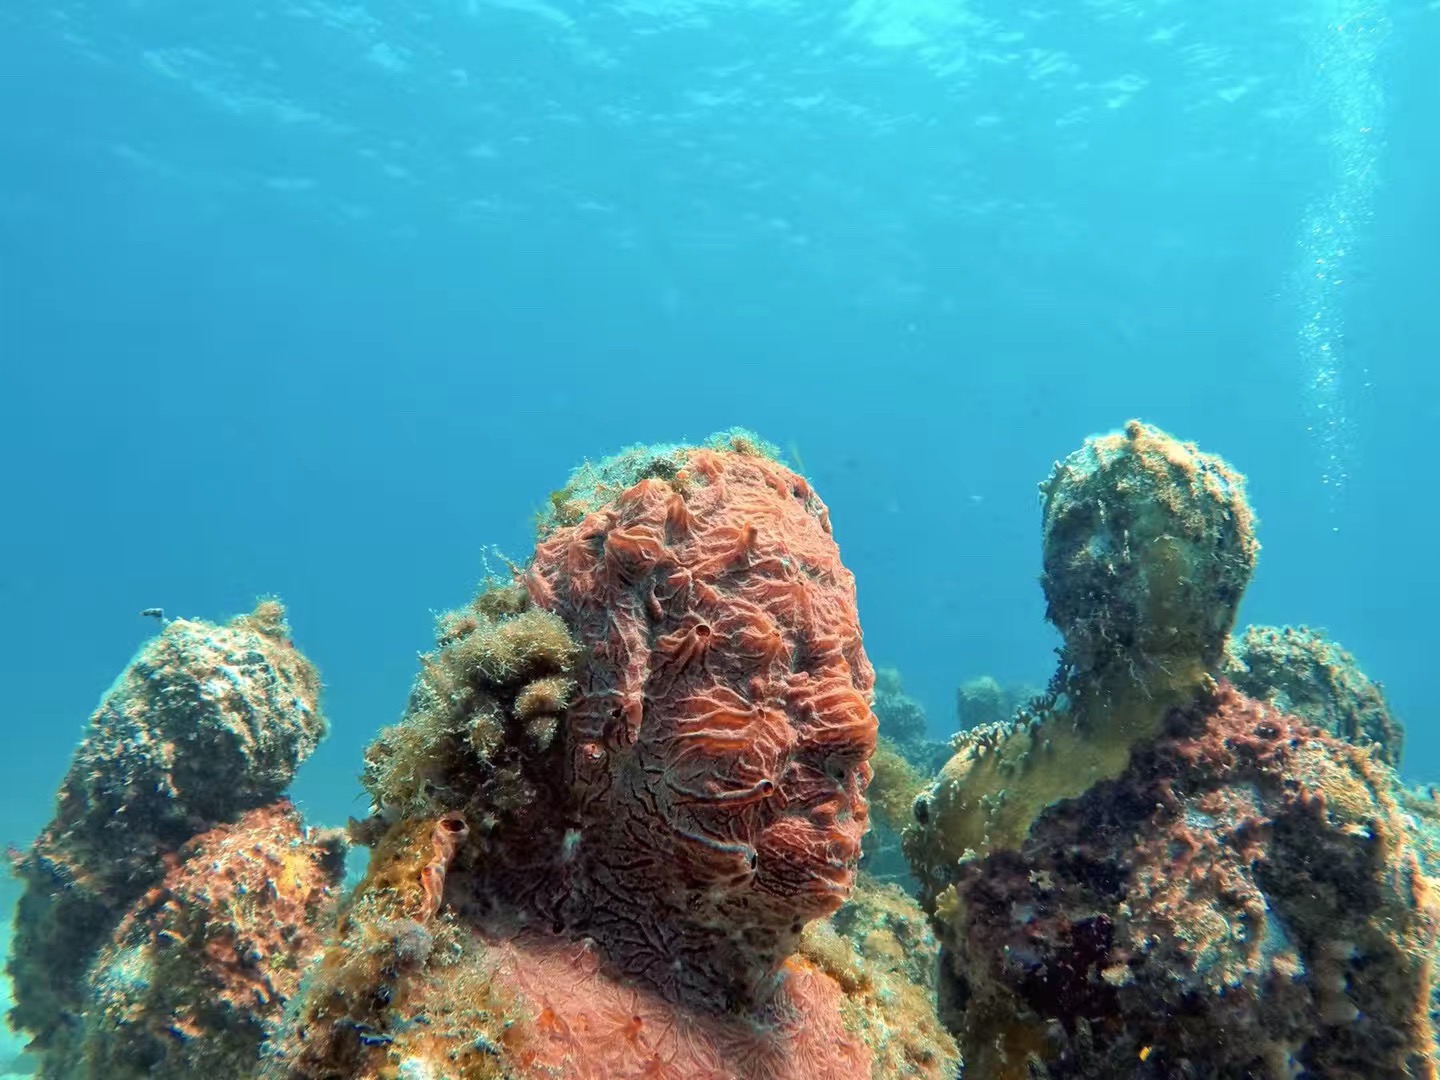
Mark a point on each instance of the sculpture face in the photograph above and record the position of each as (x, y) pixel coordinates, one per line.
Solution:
(720, 739)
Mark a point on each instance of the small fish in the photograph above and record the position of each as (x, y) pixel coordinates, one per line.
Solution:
(368, 1035)
(153, 613)
(799, 461)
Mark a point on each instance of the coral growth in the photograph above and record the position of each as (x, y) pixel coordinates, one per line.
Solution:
(205, 960)
(587, 1023)
(1300, 671)
(1241, 901)
(392, 960)
(881, 951)
(206, 723)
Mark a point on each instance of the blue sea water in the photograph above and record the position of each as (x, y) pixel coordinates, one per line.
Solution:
(322, 299)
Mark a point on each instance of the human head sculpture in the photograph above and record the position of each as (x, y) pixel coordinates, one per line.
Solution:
(660, 733)
(717, 744)
(1148, 546)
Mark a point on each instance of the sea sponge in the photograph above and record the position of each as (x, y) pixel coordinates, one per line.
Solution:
(206, 722)
(717, 751)
(1302, 672)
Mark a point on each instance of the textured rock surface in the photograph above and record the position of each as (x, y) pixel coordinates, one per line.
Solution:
(205, 960)
(1300, 671)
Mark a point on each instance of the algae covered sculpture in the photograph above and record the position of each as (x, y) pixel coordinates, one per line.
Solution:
(653, 748)
(203, 964)
(616, 831)
(1241, 901)
(1148, 545)
(1150, 873)
(133, 955)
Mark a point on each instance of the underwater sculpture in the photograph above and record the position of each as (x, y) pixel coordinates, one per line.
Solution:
(202, 965)
(633, 778)
(615, 833)
(628, 789)
(1241, 901)
(192, 745)
(1148, 545)
(1149, 873)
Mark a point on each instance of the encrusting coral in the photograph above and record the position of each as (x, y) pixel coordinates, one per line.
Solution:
(657, 739)
(1243, 900)
(393, 966)
(206, 723)
(205, 961)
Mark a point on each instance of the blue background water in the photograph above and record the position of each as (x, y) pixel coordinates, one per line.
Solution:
(321, 299)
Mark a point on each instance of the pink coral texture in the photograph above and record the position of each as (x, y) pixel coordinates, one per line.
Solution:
(720, 737)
